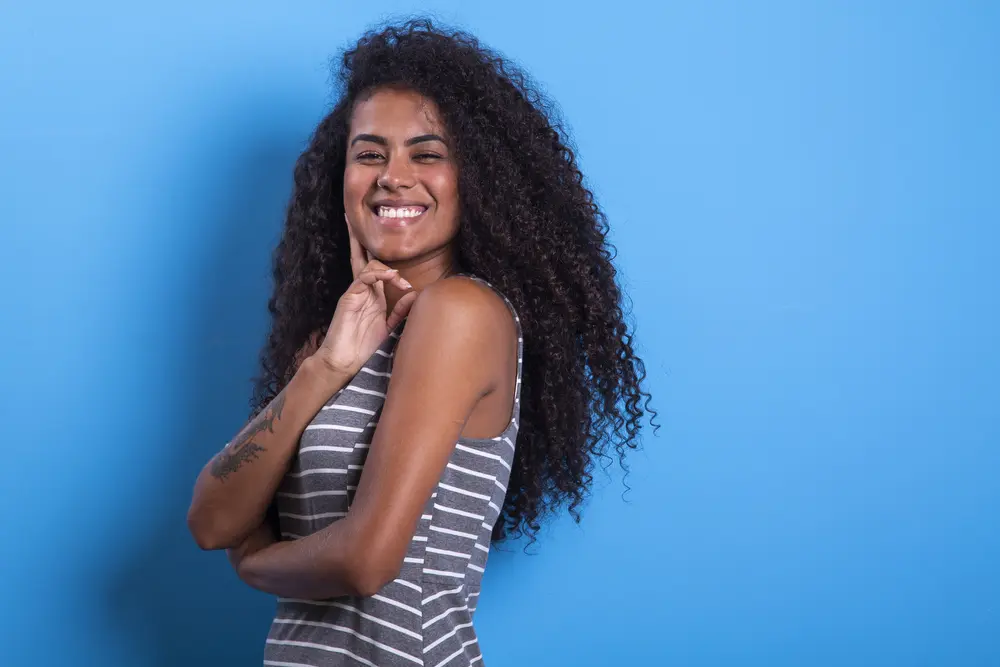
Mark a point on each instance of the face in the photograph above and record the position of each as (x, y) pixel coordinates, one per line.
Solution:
(400, 179)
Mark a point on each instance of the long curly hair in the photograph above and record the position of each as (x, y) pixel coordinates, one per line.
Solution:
(528, 225)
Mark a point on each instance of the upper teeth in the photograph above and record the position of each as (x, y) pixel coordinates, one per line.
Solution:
(400, 212)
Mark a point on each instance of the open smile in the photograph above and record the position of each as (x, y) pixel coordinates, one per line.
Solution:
(398, 215)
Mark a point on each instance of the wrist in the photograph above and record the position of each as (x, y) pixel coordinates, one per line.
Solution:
(321, 375)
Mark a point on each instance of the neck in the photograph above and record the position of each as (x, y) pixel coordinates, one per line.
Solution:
(421, 272)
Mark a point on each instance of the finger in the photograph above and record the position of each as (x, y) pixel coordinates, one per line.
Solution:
(358, 254)
(390, 276)
(398, 281)
(401, 310)
(374, 276)
(370, 279)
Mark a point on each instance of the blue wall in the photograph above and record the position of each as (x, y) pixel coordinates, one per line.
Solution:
(805, 200)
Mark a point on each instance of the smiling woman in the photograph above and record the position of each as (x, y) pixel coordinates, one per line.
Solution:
(448, 355)
(400, 180)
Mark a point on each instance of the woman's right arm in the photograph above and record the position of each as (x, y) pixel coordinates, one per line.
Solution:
(235, 488)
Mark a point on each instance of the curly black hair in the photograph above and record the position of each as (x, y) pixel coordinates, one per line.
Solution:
(528, 225)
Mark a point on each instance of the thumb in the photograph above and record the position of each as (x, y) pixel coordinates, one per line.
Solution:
(401, 310)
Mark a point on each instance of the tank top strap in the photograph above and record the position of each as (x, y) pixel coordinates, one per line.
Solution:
(520, 340)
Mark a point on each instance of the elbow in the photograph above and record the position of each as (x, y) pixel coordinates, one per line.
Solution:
(370, 581)
(370, 574)
(211, 532)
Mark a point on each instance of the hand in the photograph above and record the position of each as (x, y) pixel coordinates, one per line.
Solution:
(360, 324)
(261, 538)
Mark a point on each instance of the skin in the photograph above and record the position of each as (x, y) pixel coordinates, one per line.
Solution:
(453, 375)
(398, 150)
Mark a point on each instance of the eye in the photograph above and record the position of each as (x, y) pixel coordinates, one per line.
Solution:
(423, 157)
(369, 155)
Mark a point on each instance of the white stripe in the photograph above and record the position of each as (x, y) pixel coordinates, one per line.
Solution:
(482, 548)
(452, 510)
(476, 659)
(377, 373)
(501, 486)
(494, 507)
(279, 663)
(507, 440)
(355, 467)
(362, 445)
(445, 552)
(485, 455)
(439, 594)
(443, 637)
(444, 614)
(344, 651)
(408, 584)
(312, 494)
(448, 487)
(426, 517)
(418, 561)
(382, 353)
(311, 517)
(476, 568)
(419, 538)
(455, 654)
(349, 408)
(471, 472)
(448, 531)
(369, 392)
(396, 603)
(455, 575)
(319, 471)
(373, 619)
(326, 448)
(487, 526)
(333, 427)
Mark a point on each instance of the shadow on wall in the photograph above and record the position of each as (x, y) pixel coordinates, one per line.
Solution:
(174, 604)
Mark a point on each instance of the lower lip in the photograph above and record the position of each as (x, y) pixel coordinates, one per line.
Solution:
(397, 223)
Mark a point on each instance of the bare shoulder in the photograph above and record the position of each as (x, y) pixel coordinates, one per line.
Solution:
(463, 310)
(459, 296)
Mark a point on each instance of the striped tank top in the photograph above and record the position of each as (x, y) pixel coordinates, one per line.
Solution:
(423, 617)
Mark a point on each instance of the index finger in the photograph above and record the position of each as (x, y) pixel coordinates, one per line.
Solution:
(359, 256)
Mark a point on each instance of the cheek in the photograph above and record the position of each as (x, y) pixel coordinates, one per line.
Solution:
(355, 188)
(446, 191)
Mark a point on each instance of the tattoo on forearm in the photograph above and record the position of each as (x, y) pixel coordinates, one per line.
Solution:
(243, 449)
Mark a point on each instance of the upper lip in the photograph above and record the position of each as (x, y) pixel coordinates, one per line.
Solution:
(398, 202)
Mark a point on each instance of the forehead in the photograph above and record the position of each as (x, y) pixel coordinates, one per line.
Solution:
(391, 112)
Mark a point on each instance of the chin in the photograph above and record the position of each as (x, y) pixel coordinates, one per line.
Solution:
(394, 253)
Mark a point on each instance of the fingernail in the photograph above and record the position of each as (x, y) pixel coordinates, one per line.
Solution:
(405, 283)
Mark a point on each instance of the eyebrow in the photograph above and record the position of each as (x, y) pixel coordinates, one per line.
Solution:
(376, 139)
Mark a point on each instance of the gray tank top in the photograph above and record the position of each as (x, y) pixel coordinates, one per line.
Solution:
(424, 617)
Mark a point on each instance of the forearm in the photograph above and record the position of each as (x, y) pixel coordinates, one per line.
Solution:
(234, 489)
(317, 567)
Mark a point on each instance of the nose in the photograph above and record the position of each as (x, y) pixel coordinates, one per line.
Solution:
(396, 174)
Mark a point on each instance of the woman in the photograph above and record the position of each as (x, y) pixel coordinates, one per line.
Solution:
(437, 195)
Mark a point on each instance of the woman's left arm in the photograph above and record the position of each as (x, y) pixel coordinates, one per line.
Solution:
(445, 362)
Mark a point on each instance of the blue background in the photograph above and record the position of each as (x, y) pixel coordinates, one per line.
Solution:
(805, 201)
